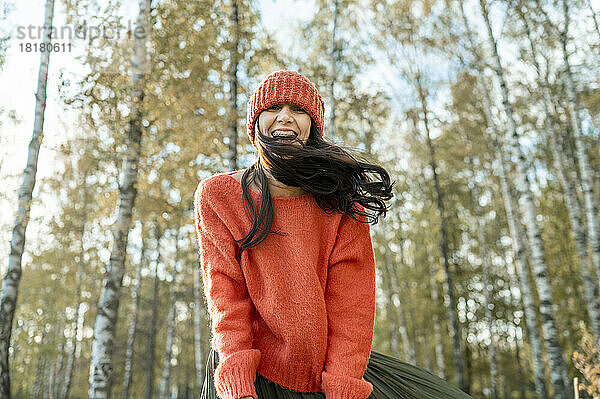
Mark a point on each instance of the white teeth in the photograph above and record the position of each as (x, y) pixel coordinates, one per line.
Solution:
(280, 133)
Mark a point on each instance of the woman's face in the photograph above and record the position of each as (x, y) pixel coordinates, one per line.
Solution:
(285, 119)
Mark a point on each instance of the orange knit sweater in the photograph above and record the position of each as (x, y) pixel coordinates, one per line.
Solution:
(299, 308)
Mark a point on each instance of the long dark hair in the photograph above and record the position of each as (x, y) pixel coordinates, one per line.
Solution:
(336, 179)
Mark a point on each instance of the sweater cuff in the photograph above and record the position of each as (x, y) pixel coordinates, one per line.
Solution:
(343, 387)
(236, 373)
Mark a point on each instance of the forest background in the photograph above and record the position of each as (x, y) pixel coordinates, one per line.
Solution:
(485, 113)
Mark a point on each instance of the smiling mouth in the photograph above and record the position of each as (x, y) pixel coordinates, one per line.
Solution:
(284, 134)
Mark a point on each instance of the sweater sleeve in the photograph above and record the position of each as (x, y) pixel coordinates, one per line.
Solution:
(350, 303)
(229, 304)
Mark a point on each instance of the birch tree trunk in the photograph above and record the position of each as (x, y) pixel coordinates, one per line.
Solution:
(557, 362)
(101, 367)
(198, 304)
(10, 283)
(233, 84)
(572, 205)
(518, 240)
(585, 170)
(529, 308)
(149, 388)
(166, 374)
(134, 313)
(335, 54)
(437, 327)
(451, 307)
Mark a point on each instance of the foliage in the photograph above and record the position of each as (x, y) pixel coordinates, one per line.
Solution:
(587, 361)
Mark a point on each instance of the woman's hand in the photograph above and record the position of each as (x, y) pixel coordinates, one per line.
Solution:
(247, 397)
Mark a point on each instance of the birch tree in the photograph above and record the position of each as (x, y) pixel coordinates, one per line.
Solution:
(585, 170)
(10, 283)
(101, 367)
(519, 246)
(569, 190)
(134, 316)
(79, 277)
(559, 375)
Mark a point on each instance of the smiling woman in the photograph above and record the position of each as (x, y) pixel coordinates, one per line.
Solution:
(285, 120)
(293, 311)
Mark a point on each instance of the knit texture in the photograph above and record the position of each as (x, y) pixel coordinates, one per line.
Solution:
(285, 87)
(299, 308)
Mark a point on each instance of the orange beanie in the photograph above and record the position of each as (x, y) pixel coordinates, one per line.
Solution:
(285, 87)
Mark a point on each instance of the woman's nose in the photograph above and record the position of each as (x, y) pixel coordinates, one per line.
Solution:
(284, 113)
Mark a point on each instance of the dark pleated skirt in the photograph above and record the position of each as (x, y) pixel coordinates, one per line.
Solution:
(391, 379)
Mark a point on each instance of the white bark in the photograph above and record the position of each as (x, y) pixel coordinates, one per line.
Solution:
(557, 363)
(518, 240)
(585, 170)
(10, 284)
(133, 323)
(571, 202)
(529, 308)
(101, 365)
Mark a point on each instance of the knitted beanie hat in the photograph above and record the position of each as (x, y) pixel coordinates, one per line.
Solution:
(285, 87)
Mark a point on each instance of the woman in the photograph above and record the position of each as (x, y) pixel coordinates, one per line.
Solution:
(288, 264)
